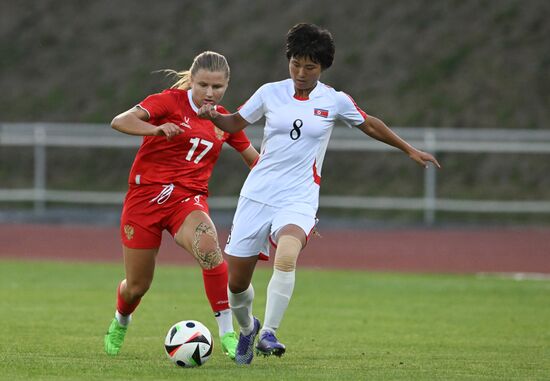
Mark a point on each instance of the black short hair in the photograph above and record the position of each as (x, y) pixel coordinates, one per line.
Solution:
(310, 41)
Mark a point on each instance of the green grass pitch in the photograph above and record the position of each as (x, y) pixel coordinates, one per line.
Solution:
(341, 325)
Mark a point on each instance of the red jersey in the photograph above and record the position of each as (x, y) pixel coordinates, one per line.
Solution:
(187, 160)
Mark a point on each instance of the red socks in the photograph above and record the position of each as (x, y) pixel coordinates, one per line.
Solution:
(215, 285)
(122, 307)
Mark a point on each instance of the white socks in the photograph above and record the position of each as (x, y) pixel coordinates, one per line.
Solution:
(225, 321)
(123, 320)
(241, 306)
(279, 292)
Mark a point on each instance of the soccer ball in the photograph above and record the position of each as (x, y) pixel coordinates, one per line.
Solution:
(188, 343)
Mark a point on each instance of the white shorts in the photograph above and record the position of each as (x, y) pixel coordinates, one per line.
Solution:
(255, 224)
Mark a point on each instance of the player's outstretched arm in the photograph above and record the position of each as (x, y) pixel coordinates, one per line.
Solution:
(227, 122)
(378, 130)
(134, 122)
(250, 156)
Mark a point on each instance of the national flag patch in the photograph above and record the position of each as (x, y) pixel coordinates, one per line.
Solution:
(320, 112)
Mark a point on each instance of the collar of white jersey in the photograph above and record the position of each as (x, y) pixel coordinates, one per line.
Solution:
(317, 91)
(193, 105)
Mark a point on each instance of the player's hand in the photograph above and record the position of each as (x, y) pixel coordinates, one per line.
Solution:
(168, 129)
(208, 111)
(423, 158)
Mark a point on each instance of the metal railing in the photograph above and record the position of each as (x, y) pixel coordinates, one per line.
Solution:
(43, 135)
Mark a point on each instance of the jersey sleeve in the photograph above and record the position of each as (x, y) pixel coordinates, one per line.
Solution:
(157, 105)
(348, 111)
(239, 141)
(254, 108)
(222, 110)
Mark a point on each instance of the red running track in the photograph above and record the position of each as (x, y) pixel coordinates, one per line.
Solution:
(403, 250)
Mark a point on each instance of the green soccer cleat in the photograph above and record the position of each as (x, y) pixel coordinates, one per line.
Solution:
(229, 344)
(114, 338)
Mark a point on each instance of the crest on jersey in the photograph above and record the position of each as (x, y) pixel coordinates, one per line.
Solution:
(320, 112)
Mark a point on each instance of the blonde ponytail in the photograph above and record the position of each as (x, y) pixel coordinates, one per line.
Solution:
(183, 81)
(210, 61)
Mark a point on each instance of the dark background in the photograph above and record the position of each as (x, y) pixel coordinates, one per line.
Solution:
(463, 63)
(419, 63)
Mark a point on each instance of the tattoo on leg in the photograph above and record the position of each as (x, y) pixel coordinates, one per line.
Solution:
(209, 259)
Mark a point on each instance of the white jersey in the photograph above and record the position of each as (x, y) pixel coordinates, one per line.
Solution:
(296, 137)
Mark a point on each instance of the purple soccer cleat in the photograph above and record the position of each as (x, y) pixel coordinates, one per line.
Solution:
(245, 347)
(269, 345)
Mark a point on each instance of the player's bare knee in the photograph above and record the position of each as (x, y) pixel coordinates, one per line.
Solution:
(236, 286)
(137, 290)
(288, 249)
(206, 248)
(209, 259)
(206, 244)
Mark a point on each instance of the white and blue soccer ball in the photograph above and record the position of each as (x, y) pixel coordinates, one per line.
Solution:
(188, 343)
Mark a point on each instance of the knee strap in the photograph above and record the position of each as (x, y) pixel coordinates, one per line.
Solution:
(288, 249)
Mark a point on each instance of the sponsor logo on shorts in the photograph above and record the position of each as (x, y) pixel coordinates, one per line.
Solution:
(198, 201)
(129, 231)
(229, 236)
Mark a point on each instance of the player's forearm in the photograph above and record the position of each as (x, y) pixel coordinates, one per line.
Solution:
(250, 156)
(130, 124)
(378, 130)
(230, 122)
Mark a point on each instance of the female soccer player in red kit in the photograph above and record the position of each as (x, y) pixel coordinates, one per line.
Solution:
(168, 189)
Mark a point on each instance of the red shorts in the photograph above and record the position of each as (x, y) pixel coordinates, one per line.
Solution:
(149, 209)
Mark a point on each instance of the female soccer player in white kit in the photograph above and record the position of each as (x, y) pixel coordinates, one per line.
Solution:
(280, 197)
